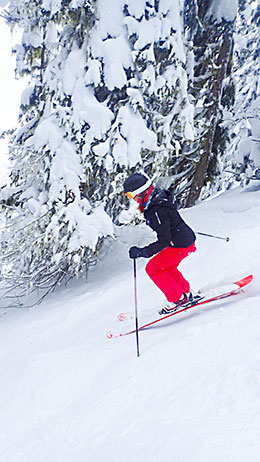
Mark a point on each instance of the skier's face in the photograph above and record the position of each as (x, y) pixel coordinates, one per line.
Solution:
(138, 198)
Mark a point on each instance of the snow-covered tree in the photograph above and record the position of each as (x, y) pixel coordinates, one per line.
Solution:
(210, 27)
(115, 87)
(243, 153)
(107, 94)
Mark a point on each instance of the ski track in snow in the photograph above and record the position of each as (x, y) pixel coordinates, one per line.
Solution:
(70, 394)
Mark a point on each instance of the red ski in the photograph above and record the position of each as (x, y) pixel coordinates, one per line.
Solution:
(233, 289)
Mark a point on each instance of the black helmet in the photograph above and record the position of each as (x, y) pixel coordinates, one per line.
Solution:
(137, 183)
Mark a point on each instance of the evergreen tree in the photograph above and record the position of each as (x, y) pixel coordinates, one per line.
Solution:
(115, 87)
(210, 27)
(243, 154)
(108, 94)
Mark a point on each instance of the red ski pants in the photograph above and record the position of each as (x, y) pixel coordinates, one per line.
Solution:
(162, 269)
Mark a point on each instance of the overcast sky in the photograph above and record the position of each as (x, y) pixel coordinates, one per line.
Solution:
(10, 89)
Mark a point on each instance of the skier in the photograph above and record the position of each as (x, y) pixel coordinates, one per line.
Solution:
(175, 240)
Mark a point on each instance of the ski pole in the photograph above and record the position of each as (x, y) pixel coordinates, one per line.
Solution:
(136, 316)
(216, 237)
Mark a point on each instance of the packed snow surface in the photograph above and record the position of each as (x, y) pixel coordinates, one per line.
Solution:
(70, 394)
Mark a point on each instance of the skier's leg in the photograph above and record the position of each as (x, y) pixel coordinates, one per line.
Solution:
(177, 275)
(162, 269)
(160, 272)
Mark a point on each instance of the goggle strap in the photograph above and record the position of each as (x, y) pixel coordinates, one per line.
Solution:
(142, 188)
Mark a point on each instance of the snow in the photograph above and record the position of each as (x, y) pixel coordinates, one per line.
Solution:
(120, 151)
(136, 7)
(223, 9)
(33, 38)
(148, 32)
(26, 95)
(116, 59)
(46, 133)
(73, 70)
(87, 109)
(110, 15)
(87, 228)
(52, 5)
(65, 170)
(71, 394)
(136, 133)
(51, 33)
(93, 73)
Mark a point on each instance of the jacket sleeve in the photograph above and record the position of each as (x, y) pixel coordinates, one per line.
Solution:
(159, 221)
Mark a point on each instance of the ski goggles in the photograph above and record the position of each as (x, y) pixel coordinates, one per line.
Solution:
(130, 195)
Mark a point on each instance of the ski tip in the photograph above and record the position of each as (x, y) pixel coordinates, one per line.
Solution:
(243, 282)
(109, 334)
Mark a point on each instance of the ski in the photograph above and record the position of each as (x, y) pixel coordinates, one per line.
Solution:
(128, 315)
(235, 289)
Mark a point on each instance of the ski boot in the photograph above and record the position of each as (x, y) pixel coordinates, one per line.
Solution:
(171, 307)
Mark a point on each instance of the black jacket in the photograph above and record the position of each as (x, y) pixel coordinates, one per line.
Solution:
(162, 216)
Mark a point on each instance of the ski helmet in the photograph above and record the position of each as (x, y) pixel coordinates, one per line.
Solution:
(137, 183)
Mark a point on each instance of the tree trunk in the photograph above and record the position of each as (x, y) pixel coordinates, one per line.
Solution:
(213, 51)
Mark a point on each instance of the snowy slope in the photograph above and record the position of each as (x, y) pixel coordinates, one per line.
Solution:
(68, 394)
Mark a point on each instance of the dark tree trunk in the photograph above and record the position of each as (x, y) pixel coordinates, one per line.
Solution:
(213, 44)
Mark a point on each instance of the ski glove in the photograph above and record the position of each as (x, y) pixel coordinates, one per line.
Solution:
(136, 252)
